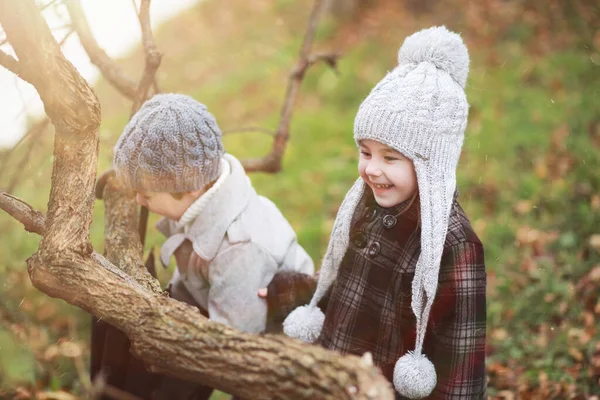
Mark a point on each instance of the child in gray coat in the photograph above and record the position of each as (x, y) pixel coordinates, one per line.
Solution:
(227, 240)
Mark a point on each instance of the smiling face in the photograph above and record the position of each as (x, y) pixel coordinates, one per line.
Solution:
(388, 173)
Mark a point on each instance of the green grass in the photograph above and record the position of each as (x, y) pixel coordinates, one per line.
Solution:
(517, 107)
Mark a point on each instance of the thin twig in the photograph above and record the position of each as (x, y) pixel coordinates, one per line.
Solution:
(64, 39)
(100, 387)
(38, 126)
(10, 63)
(16, 178)
(110, 70)
(33, 221)
(153, 57)
(135, 7)
(64, 26)
(272, 161)
(78, 361)
(49, 4)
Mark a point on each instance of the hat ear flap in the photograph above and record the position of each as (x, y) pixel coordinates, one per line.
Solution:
(414, 374)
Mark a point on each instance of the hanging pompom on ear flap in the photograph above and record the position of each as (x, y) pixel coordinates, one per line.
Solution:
(304, 323)
(414, 376)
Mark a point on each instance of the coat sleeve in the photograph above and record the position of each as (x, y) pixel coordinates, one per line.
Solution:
(235, 276)
(288, 290)
(455, 339)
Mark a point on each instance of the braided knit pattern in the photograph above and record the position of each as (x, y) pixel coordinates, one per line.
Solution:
(172, 144)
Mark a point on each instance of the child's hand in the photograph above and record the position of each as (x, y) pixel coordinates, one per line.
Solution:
(262, 293)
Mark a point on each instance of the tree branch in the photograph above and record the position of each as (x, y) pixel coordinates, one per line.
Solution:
(272, 161)
(121, 240)
(11, 64)
(153, 57)
(171, 336)
(33, 221)
(34, 130)
(111, 71)
(20, 169)
(49, 4)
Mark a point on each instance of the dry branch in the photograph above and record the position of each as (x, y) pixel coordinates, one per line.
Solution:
(110, 70)
(121, 241)
(33, 221)
(11, 64)
(153, 57)
(171, 336)
(34, 130)
(272, 161)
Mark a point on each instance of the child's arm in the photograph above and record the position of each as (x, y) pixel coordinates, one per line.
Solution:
(235, 276)
(455, 340)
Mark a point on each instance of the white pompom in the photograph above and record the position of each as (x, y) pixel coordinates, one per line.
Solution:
(304, 323)
(414, 376)
(439, 46)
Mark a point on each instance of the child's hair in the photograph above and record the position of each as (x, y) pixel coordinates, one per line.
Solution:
(178, 195)
(172, 144)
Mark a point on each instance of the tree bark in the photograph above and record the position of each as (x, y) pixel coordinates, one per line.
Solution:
(122, 242)
(172, 337)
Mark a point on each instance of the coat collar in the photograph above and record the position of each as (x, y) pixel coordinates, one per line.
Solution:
(219, 210)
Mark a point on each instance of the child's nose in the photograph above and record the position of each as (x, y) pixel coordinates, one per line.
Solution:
(373, 169)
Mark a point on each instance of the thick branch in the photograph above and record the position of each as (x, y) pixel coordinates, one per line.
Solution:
(110, 70)
(272, 161)
(74, 110)
(171, 336)
(121, 240)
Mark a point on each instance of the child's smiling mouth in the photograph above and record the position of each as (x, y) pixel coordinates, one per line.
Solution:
(379, 186)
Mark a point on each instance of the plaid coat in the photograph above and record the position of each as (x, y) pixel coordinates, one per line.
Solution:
(369, 305)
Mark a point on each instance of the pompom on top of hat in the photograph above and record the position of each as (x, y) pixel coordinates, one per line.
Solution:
(439, 46)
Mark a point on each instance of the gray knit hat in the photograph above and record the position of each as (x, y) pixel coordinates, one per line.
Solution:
(419, 109)
(172, 144)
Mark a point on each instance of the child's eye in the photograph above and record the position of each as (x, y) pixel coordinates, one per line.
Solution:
(365, 154)
(390, 158)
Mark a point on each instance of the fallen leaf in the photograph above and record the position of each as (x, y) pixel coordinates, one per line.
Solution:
(576, 353)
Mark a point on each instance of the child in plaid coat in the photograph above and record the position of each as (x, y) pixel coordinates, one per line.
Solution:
(404, 275)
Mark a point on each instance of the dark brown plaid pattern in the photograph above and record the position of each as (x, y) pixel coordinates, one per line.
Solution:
(369, 307)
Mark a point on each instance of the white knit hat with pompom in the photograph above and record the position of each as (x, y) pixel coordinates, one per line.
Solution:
(419, 109)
